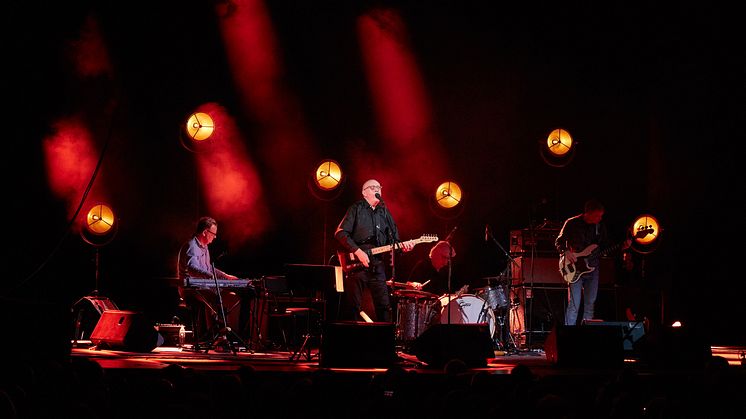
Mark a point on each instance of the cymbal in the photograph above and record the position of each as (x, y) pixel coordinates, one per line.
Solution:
(414, 294)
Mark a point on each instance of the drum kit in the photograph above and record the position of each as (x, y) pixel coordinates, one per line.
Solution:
(417, 310)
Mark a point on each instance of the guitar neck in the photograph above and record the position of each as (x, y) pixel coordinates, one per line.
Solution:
(388, 247)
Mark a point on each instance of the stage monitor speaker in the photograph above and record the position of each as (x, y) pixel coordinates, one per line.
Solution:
(86, 314)
(440, 343)
(585, 346)
(126, 331)
(675, 347)
(630, 332)
(357, 345)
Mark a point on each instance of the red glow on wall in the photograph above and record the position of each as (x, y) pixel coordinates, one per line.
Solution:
(89, 52)
(257, 73)
(415, 157)
(70, 159)
(230, 181)
(396, 86)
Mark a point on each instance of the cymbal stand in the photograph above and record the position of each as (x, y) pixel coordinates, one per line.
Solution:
(506, 273)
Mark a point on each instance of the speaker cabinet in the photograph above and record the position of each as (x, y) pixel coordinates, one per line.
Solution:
(357, 344)
(441, 343)
(126, 331)
(585, 346)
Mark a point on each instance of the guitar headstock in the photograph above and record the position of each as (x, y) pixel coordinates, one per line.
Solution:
(642, 233)
(427, 238)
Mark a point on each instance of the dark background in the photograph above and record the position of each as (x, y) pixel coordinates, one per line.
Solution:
(652, 94)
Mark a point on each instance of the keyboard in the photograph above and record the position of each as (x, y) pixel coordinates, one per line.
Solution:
(222, 283)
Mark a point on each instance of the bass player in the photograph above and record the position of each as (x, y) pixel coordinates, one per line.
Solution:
(579, 243)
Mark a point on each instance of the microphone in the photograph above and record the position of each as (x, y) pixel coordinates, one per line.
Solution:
(448, 237)
(486, 232)
(378, 197)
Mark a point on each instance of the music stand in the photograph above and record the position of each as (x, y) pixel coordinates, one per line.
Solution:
(311, 280)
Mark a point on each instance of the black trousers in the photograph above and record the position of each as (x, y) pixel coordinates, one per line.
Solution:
(373, 278)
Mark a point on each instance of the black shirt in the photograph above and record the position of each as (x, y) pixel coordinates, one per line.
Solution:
(577, 234)
(366, 227)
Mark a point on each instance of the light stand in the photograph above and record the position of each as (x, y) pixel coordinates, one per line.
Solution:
(448, 205)
(450, 289)
(326, 184)
(98, 229)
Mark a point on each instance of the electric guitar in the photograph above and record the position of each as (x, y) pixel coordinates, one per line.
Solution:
(571, 272)
(350, 262)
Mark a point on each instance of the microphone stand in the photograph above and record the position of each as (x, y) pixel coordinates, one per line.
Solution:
(221, 336)
(450, 289)
(450, 256)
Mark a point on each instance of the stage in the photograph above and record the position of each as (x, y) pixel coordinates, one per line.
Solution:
(179, 382)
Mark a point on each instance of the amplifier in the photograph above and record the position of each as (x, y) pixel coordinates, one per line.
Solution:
(538, 241)
(173, 334)
(545, 270)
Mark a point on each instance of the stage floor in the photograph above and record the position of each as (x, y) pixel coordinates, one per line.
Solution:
(176, 382)
(501, 363)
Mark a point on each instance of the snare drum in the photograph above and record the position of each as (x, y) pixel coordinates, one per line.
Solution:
(415, 311)
(467, 309)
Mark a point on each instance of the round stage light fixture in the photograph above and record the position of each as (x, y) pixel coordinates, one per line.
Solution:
(558, 149)
(100, 225)
(328, 175)
(646, 231)
(200, 126)
(448, 194)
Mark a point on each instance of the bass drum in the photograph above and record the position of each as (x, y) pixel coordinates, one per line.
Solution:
(467, 309)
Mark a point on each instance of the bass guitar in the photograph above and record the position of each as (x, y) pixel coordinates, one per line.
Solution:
(571, 272)
(350, 262)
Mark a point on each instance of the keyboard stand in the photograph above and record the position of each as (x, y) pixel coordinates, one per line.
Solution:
(220, 327)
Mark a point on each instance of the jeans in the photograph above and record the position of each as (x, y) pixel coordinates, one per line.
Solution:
(587, 287)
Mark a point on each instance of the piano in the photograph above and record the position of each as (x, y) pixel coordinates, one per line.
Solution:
(222, 283)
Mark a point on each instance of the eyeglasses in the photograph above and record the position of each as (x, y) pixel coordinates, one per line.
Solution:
(214, 234)
(374, 187)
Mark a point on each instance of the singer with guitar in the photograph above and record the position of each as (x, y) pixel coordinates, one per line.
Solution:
(367, 224)
(579, 263)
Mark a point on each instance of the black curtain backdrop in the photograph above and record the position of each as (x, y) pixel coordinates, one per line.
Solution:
(652, 94)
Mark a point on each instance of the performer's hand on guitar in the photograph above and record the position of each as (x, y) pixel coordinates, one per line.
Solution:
(362, 257)
(407, 245)
(570, 256)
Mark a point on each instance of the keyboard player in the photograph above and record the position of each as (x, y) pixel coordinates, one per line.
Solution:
(194, 263)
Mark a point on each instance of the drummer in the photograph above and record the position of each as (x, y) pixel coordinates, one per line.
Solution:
(431, 274)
